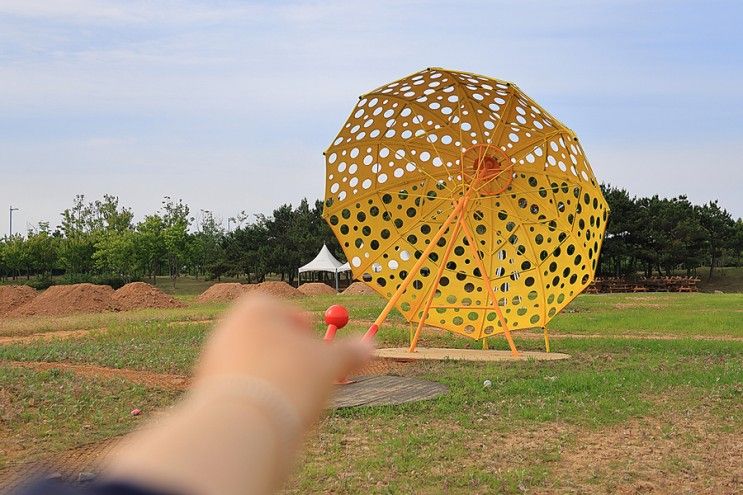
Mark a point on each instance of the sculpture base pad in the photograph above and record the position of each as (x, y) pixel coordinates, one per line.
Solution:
(441, 354)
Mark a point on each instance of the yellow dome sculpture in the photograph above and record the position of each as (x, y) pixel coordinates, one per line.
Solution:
(464, 203)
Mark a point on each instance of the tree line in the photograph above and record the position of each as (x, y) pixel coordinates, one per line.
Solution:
(99, 241)
(662, 236)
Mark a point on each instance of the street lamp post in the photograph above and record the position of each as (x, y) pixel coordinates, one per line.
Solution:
(10, 228)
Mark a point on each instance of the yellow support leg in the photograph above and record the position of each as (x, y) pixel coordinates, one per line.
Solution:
(485, 345)
(546, 340)
(488, 284)
(432, 293)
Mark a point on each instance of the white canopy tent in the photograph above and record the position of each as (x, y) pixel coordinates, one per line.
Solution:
(326, 262)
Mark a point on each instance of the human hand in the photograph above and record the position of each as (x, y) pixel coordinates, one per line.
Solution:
(265, 338)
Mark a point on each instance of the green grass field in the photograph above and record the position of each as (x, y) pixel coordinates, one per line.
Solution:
(651, 400)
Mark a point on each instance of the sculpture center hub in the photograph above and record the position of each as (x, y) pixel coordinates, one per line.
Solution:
(488, 169)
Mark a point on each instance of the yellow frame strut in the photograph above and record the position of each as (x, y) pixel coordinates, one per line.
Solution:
(374, 328)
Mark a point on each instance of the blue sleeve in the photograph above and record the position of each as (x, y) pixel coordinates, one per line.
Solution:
(54, 487)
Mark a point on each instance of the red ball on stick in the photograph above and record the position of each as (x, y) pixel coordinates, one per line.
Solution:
(336, 315)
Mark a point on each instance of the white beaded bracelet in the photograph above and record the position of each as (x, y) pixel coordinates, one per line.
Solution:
(257, 392)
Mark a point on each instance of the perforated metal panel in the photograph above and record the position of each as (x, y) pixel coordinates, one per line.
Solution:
(412, 150)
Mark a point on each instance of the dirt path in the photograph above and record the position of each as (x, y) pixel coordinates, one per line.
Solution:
(556, 334)
(192, 322)
(62, 334)
(169, 381)
(146, 378)
(69, 334)
(627, 336)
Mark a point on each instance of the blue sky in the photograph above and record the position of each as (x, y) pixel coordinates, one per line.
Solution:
(229, 105)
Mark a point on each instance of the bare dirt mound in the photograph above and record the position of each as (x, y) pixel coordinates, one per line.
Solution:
(357, 288)
(223, 292)
(140, 295)
(277, 289)
(316, 289)
(14, 296)
(68, 299)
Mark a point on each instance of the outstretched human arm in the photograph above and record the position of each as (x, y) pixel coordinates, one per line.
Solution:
(262, 380)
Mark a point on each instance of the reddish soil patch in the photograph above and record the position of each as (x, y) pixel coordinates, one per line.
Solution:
(380, 366)
(316, 289)
(147, 378)
(357, 288)
(67, 299)
(140, 295)
(276, 289)
(14, 296)
(223, 292)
